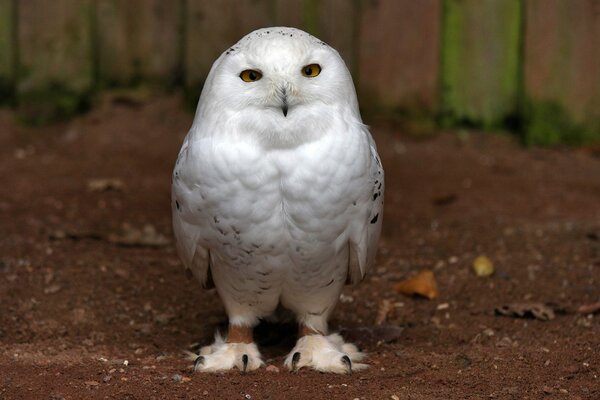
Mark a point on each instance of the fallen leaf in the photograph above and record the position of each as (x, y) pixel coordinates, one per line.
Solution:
(527, 310)
(105, 184)
(589, 308)
(422, 284)
(483, 266)
(385, 307)
(132, 237)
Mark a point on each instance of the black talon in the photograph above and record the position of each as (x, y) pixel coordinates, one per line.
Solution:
(198, 361)
(245, 362)
(346, 360)
(295, 360)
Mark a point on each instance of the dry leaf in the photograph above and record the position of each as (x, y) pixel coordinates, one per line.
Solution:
(105, 184)
(589, 308)
(422, 284)
(527, 310)
(385, 307)
(483, 266)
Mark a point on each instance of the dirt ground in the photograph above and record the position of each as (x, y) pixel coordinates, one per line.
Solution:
(85, 313)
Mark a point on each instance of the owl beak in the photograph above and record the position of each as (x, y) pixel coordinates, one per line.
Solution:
(284, 108)
(284, 102)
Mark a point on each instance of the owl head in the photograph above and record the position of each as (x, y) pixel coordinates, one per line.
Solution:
(281, 84)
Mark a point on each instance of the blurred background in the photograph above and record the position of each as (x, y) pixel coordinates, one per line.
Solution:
(529, 66)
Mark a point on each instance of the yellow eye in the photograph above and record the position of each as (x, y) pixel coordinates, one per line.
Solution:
(250, 75)
(311, 70)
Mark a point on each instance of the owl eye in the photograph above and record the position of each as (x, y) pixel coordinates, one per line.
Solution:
(311, 70)
(250, 75)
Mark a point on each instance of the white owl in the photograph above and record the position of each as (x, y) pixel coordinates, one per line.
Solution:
(277, 195)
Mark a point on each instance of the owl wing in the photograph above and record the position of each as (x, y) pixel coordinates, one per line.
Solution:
(363, 241)
(187, 231)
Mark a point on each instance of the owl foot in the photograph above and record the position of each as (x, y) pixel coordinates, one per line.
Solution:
(222, 356)
(325, 354)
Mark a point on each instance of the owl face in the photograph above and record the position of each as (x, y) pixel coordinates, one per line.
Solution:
(280, 79)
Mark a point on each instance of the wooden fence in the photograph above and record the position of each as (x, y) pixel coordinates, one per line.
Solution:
(530, 65)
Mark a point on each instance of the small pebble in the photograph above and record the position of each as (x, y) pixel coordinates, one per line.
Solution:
(176, 377)
(346, 299)
(272, 368)
(483, 266)
(394, 397)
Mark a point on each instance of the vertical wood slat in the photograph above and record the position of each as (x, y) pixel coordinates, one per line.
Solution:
(562, 71)
(211, 27)
(399, 54)
(7, 50)
(55, 56)
(480, 61)
(138, 41)
(332, 21)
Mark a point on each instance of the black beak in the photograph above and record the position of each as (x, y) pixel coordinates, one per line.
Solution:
(284, 103)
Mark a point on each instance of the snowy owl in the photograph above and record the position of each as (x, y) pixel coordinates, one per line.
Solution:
(277, 196)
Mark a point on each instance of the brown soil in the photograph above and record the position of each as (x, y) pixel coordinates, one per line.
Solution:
(75, 302)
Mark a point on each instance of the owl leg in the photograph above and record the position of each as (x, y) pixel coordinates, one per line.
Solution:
(326, 353)
(237, 351)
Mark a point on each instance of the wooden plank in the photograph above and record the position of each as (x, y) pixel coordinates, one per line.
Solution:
(138, 41)
(480, 61)
(562, 71)
(333, 21)
(399, 54)
(55, 57)
(7, 50)
(211, 27)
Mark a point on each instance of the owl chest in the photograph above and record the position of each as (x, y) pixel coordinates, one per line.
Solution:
(268, 203)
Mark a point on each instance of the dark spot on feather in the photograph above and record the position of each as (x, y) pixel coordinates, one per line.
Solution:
(216, 219)
(329, 284)
(375, 195)
(236, 230)
(177, 205)
(354, 203)
(375, 218)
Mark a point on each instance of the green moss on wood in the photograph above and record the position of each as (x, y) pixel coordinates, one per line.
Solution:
(548, 123)
(53, 103)
(7, 91)
(310, 17)
(480, 62)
